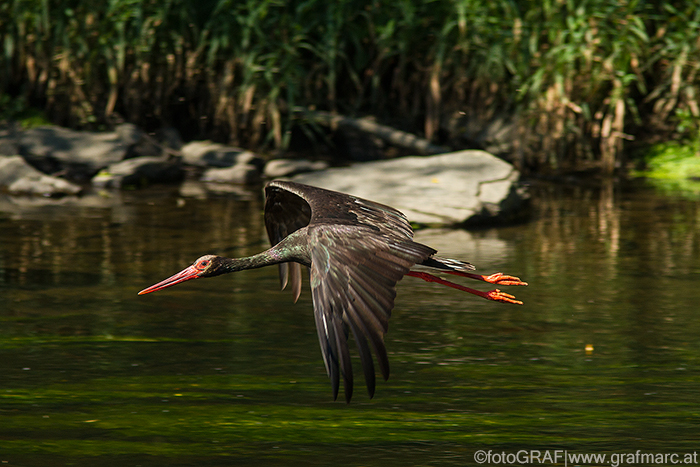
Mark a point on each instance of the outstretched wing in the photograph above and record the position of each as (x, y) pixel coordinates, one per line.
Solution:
(359, 250)
(354, 272)
(285, 212)
(331, 207)
(290, 206)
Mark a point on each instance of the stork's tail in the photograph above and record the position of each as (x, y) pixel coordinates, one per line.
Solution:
(447, 264)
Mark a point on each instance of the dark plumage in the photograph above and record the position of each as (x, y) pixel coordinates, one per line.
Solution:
(356, 250)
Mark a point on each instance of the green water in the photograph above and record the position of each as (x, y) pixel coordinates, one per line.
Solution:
(227, 371)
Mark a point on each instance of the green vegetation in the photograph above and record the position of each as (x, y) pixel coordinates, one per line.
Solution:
(579, 78)
(675, 165)
(18, 110)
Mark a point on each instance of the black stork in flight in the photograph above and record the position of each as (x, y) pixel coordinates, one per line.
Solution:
(356, 250)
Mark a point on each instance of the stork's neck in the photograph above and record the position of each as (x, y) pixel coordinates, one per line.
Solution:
(268, 257)
(248, 262)
(292, 248)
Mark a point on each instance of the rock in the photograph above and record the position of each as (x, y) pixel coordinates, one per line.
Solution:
(494, 135)
(13, 168)
(239, 173)
(286, 167)
(208, 154)
(169, 137)
(165, 141)
(8, 140)
(128, 133)
(43, 185)
(21, 178)
(79, 154)
(454, 188)
(145, 147)
(139, 172)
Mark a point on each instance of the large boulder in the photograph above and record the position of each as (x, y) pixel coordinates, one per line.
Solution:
(463, 187)
(18, 177)
(209, 154)
(79, 154)
(240, 174)
(224, 164)
(139, 172)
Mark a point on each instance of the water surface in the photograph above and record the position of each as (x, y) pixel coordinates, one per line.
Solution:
(603, 357)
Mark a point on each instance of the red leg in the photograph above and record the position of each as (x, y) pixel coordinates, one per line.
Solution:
(495, 295)
(497, 278)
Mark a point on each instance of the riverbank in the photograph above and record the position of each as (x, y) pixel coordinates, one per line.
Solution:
(454, 188)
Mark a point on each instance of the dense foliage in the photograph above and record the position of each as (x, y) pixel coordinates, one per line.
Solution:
(579, 78)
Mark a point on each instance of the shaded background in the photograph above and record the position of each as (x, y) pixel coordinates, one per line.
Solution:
(551, 85)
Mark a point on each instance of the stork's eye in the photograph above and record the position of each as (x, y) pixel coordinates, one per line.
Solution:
(203, 264)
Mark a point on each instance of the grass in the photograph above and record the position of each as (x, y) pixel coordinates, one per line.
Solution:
(579, 78)
(675, 165)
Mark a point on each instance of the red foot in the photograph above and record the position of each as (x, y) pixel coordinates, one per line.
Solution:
(497, 278)
(503, 279)
(498, 296)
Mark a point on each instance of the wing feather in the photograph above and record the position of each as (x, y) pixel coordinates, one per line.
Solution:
(375, 333)
(370, 303)
(295, 279)
(326, 206)
(354, 272)
(341, 333)
(364, 351)
(285, 213)
(357, 250)
(326, 338)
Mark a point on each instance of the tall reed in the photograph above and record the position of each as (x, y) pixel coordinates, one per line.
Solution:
(579, 78)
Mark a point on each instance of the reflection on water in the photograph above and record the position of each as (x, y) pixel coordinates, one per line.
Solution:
(603, 356)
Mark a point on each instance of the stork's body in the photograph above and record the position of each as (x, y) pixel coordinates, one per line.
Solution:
(356, 251)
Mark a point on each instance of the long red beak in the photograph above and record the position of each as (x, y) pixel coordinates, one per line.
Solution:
(182, 276)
